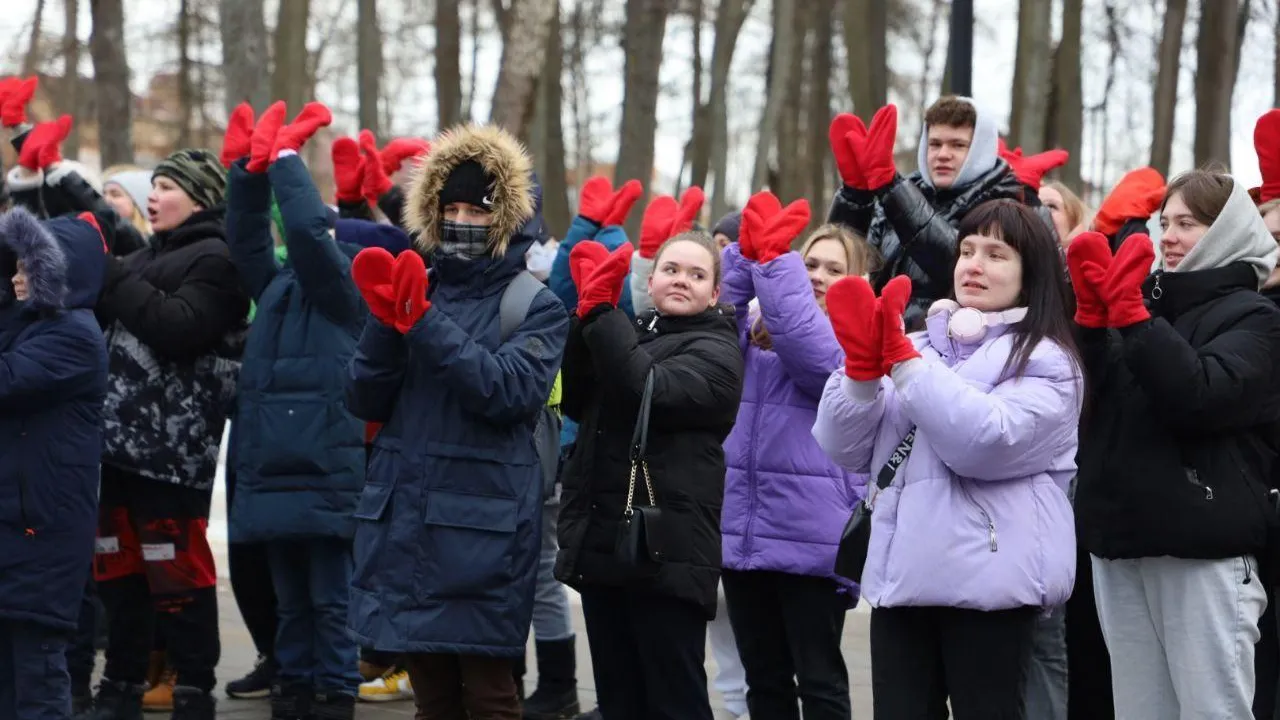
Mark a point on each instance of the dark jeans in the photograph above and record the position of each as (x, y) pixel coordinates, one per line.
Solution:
(1089, 694)
(81, 650)
(788, 629)
(251, 583)
(34, 684)
(152, 558)
(923, 656)
(647, 653)
(462, 687)
(312, 579)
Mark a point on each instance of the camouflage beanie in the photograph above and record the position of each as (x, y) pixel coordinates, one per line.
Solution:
(198, 173)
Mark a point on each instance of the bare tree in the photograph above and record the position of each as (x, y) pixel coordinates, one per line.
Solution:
(31, 60)
(550, 159)
(1215, 75)
(1066, 115)
(186, 99)
(819, 107)
(788, 175)
(524, 50)
(646, 25)
(711, 142)
(866, 30)
(368, 64)
(245, 61)
(1166, 94)
(71, 73)
(111, 82)
(448, 63)
(291, 80)
(779, 78)
(1031, 75)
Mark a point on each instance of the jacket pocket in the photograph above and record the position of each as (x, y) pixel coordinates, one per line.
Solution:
(373, 502)
(469, 548)
(293, 437)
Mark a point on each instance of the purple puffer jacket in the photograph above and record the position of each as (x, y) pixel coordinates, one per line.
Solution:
(978, 516)
(785, 501)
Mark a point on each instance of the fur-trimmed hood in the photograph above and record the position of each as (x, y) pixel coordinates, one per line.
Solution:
(501, 156)
(24, 238)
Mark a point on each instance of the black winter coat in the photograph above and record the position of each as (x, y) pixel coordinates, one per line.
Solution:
(697, 386)
(913, 227)
(1183, 414)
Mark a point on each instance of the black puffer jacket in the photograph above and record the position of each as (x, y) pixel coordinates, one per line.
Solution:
(697, 386)
(913, 227)
(1177, 449)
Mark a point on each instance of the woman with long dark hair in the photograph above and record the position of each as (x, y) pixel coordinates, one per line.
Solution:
(969, 432)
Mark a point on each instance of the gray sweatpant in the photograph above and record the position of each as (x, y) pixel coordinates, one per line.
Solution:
(1180, 634)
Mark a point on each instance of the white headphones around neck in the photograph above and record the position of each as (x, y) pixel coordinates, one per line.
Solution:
(969, 325)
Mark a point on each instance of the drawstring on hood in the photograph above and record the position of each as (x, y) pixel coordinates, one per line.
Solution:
(1238, 235)
(983, 150)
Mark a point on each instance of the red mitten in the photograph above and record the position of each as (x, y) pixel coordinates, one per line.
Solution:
(376, 182)
(771, 228)
(604, 284)
(656, 225)
(238, 140)
(14, 110)
(690, 205)
(89, 218)
(874, 153)
(895, 346)
(401, 149)
(1031, 169)
(1089, 248)
(1266, 141)
(372, 269)
(1137, 195)
(595, 200)
(348, 170)
(845, 130)
(43, 145)
(585, 257)
(293, 136)
(1121, 284)
(264, 138)
(410, 280)
(855, 318)
(623, 200)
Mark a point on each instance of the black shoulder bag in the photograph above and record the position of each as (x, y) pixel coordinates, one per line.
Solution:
(640, 534)
(851, 556)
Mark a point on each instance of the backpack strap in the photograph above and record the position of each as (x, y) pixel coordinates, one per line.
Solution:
(517, 298)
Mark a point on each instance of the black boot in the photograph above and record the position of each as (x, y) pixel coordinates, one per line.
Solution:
(81, 697)
(191, 703)
(333, 706)
(556, 697)
(115, 701)
(291, 702)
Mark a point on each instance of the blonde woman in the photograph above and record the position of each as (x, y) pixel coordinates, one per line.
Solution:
(125, 188)
(1070, 214)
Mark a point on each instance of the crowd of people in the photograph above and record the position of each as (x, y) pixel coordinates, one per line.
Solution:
(1037, 442)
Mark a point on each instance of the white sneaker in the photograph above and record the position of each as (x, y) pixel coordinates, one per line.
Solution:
(393, 685)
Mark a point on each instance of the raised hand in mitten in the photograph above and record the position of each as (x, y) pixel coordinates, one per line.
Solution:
(623, 200)
(1031, 169)
(1089, 248)
(238, 140)
(603, 286)
(1137, 195)
(845, 130)
(874, 153)
(401, 149)
(372, 271)
(585, 257)
(770, 228)
(263, 140)
(655, 228)
(1120, 285)
(595, 200)
(855, 318)
(410, 280)
(13, 112)
(293, 136)
(376, 183)
(1266, 141)
(43, 145)
(690, 205)
(895, 347)
(348, 170)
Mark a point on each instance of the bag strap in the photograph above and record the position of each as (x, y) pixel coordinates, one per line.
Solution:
(516, 300)
(640, 436)
(899, 456)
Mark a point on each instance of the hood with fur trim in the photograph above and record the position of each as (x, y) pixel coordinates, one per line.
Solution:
(24, 238)
(502, 157)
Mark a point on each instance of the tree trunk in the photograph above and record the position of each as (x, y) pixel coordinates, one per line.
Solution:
(784, 39)
(1275, 62)
(819, 113)
(1242, 25)
(646, 26)
(111, 82)
(699, 122)
(290, 81)
(710, 142)
(368, 64)
(71, 74)
(448, 63)
(186, 99)
(1066, 121)
(789, 179)
(1214, 75)
(866, 27)
(1031, 76)
(468, 105)
(30, 61)
(550, 162)
(245, 60)
(524, 51)
(1166, 94)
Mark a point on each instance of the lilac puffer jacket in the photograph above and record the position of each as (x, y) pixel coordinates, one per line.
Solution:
(978, 515)
(785, 501)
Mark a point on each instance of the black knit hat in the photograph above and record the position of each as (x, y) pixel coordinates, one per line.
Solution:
(728, 226)
(198, 173)
(468, 183)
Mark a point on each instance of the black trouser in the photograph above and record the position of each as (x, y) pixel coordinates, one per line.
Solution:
(923, 656)
(788, 629)
(251, 584)
(1088, 662)
(81, 652)
(153, 557)
(647, 653)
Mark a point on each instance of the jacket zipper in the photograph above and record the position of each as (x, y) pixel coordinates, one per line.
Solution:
(991, 524)
(751, 474)
(1248, 570)
(1193, 477)
(1157, 292)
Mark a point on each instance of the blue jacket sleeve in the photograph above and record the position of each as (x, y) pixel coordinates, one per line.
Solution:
(560, 280)
(614, 237)
(51, 365)
(505, 386)
(376, 372)
(249, 228)
(323, 270)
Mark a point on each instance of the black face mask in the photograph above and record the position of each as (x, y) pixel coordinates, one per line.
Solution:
(463, 241)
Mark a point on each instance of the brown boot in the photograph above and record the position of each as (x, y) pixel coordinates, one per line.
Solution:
(160, 681)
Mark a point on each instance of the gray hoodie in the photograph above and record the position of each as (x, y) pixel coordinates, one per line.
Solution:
(1237, 235)
(983, 151)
